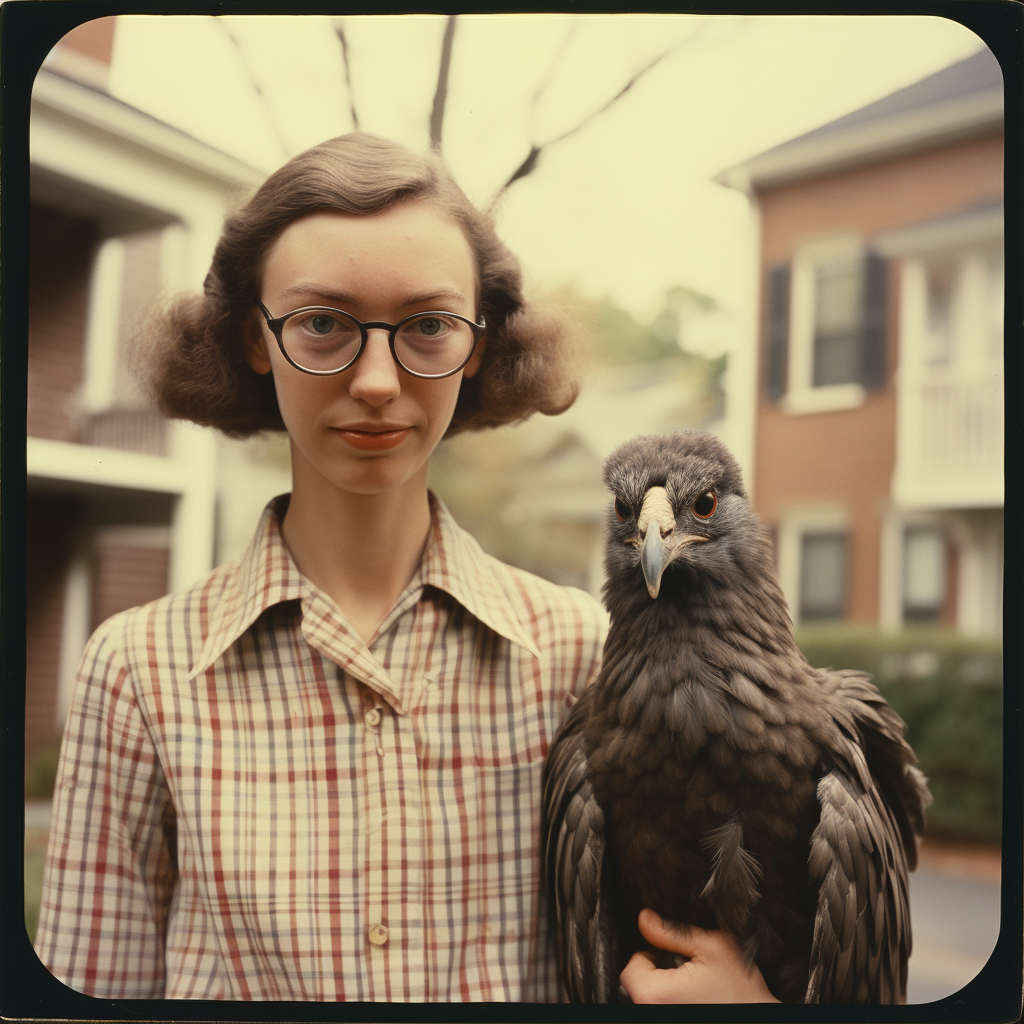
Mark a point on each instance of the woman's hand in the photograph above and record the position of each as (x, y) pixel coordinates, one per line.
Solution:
(715, 972)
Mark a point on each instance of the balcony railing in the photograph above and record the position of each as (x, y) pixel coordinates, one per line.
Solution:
(127, 430)
(950, 445)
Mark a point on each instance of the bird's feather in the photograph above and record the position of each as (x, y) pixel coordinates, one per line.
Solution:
(861, 853)
(573, 867)
(732, 888)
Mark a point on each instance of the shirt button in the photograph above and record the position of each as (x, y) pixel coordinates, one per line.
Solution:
(379, 934)
(373, 718)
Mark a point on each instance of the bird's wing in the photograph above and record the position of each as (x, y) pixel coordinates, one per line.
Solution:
(872, 804)
(573, 852)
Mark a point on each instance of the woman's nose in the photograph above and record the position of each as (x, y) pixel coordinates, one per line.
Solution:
(375, 374)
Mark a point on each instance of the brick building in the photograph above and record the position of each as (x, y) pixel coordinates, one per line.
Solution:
(879, 415)
(121, 505)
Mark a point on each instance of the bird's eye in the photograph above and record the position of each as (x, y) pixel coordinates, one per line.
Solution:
(704, 507)
(622, 510)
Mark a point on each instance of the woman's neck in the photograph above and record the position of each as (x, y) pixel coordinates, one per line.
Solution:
(360, 549)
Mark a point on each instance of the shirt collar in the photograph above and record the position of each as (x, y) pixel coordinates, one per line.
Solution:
(264, 576)
(452, 561)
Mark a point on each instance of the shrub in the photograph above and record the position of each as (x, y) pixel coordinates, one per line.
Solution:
(948, 689)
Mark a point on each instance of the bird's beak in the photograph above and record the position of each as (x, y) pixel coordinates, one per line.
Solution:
(655, 554)
(660, 542)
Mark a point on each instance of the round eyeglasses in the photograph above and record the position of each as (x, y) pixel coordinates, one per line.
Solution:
(324, 341)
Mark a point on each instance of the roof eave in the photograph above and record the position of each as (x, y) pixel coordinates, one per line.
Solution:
(896, 135)
(126, 122)
(984, 225)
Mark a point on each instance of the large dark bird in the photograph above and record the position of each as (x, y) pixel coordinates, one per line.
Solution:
(710, 772)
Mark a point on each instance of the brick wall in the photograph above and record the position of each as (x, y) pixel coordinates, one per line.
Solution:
(50, 523)
(125, 574)
(62, 248)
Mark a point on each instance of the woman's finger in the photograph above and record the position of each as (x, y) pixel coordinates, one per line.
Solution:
(665, 936)
(716, 970)
(645, 983)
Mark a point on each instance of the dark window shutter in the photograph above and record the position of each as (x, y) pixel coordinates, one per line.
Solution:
(778, 331)
(873, 336)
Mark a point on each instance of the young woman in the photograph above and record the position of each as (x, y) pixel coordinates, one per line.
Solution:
(316, 774)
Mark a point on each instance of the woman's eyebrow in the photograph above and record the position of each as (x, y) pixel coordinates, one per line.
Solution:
(306, 289)
(431, 296)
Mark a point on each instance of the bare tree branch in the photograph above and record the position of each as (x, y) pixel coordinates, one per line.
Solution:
(257, 88)
(441, 92)
(615, 99)
(532, 159)
(339, 29)
(546, 80)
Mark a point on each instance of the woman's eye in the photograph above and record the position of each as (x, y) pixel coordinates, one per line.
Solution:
(321, 323)
(622, 510)
(705, 505)
(431, 326)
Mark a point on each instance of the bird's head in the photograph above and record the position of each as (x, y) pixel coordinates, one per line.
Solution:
(678, 501)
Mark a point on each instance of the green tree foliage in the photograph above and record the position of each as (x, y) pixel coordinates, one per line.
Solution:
(617, 338)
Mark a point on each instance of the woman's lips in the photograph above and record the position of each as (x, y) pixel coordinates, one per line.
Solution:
(374, 440)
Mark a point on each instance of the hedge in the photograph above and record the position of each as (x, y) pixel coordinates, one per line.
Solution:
(949, 691)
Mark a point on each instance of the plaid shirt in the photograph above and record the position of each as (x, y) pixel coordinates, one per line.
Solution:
(254, 804)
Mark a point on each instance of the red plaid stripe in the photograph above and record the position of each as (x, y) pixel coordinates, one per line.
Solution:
(248, 794)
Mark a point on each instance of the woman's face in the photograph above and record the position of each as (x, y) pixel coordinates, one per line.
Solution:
(371, 428)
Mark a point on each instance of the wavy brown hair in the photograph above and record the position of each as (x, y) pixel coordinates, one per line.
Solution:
(194, 358)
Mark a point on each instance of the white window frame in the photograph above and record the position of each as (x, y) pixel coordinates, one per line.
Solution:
(103, 327)
(793, 524)
(801, 394)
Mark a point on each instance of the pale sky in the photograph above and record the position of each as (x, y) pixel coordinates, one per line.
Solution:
(626, 208)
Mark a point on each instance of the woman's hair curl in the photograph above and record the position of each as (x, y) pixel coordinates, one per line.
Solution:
(195, 358)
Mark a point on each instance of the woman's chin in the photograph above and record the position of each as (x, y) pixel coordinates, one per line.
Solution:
(382, 476)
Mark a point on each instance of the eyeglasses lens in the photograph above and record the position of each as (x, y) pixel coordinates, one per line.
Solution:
(320, 339)
(433, 344)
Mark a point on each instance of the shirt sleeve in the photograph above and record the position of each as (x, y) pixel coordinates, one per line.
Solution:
(111, 863)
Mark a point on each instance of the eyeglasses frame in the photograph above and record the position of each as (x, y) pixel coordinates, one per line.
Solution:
(276, 325)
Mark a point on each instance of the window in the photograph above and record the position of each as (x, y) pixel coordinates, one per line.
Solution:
(822, 577)
(129, 272)
(924, 574)
(838, 301)
(826, 326)
(125, 282)
(940, 283)
(963, 307)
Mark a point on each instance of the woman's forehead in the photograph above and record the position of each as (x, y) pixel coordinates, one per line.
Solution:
(415, 248)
